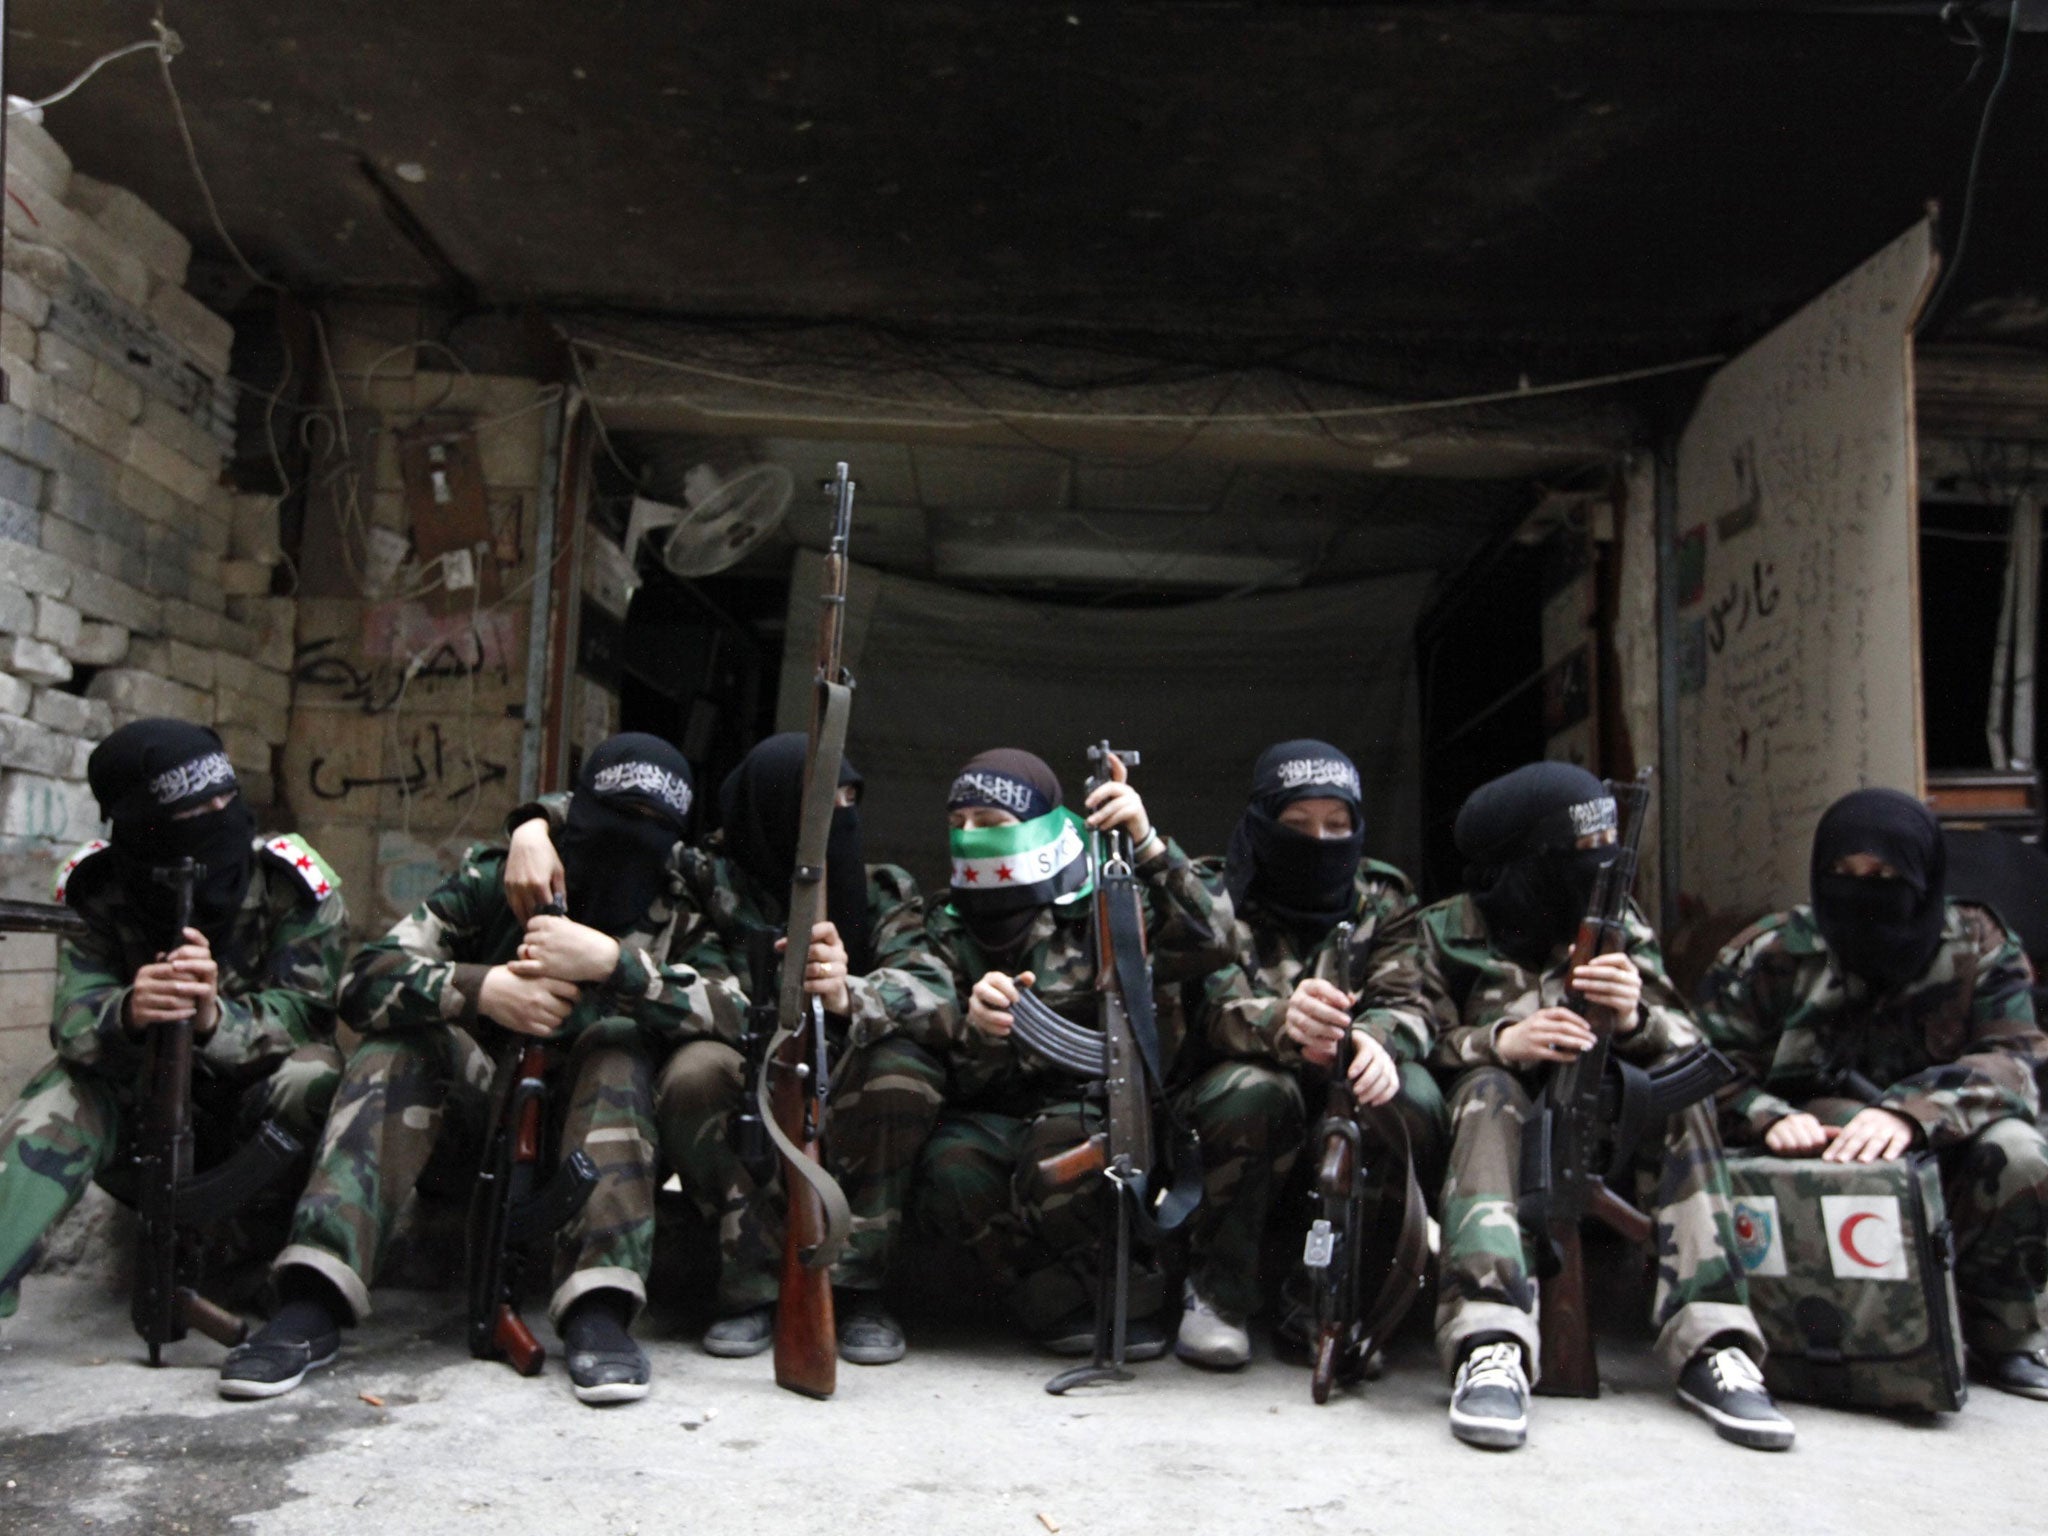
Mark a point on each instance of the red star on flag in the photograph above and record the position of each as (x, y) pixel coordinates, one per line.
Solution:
(970, 874)
(303, 862)
(1003, 872)
(320, 889)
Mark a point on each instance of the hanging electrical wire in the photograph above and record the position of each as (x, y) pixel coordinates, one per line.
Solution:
(1954, 263)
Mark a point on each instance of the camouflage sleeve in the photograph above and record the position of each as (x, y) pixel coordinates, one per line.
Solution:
(692, 995)
(1665, 1024)
(290, 1002)
(412, 977)
(1240, 1014)
(1191, 933)
(1995, 1076)
(908, 989)
(92, 997)
(1406, 1004)
(1739, 1018)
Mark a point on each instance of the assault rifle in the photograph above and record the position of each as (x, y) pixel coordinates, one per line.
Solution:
(794, 1079)
(1123, 1061)
(1592, 1103)
(1340, 1252)
(511, 1209)
(174, 1205)
(40, 917)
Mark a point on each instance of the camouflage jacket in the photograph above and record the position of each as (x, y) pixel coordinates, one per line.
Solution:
(1244, 1004)
(905, 989)
(429, 969)
(1188, 931)
(1439, 991)
(278, 971)
(1952, 1050)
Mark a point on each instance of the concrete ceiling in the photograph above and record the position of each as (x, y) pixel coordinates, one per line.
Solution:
(1446, 188)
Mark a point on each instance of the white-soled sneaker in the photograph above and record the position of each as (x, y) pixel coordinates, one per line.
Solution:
(1207, 1338)
(1724, 1387)
(1490, 1398)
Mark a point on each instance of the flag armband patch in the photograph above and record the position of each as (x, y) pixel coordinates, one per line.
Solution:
(301, 858)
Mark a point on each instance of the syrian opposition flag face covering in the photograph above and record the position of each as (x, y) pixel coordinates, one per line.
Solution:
(1036, 863)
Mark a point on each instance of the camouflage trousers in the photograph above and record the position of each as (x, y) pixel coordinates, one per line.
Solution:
(1996, 1186)
(980, 1188)
(885, 1101)
(71, 1125)
(1484, 1281)
(392, 1109)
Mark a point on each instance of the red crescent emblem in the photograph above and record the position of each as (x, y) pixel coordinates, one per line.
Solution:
(1848, 1239)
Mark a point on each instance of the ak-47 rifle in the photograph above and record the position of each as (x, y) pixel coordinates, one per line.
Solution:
(795, 1076)
(40, 917)
(1123, 1061)
(175, 1206)
(1591, 1104)
(510, 1208)
(1340, 1252)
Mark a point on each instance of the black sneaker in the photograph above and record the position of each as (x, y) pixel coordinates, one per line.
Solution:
(1724, 1387)
(1490, 1398)
(868, 1335)
(2023, 1372)
(743, 1334)
(1144, 1337)
(274, 1361)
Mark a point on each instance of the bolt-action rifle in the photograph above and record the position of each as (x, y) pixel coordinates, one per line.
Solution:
(791, 1087)
(511, 1208)
(176, 1206)
(1597, 1104)
(1122, 1061)
(1340, 1253)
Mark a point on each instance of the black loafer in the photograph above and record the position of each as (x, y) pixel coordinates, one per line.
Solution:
(609, 1375)
(743, 1334)
(868, 1335)
(272, 1367)
(2025, 1373)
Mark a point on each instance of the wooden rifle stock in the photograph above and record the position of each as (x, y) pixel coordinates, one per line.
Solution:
(1065, 1169)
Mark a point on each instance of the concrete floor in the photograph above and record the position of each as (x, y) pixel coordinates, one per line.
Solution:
(960, 1437)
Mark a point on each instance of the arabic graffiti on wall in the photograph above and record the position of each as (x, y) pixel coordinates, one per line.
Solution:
(406, 652)
(432, 765)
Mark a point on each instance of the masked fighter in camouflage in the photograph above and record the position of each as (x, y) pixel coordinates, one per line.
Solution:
(1295, 870)
(1006, 1108)
(460, 969)
(1885, 1018)
(886, 1000)
(1479, 983)
(255, 972)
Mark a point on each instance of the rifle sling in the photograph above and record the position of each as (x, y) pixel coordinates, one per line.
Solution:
(814, 830)
(1404, 1277)
(1134, 982)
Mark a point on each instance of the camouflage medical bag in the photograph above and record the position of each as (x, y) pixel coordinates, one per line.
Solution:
(1852, 1279)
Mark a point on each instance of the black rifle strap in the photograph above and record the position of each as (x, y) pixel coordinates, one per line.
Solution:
(1404, 1277)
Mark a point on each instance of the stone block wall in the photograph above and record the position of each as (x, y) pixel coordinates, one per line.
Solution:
(408, 694)
(131, 581)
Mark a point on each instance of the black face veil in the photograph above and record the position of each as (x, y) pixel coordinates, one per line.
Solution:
(1524, 869)
(761, 804)
(631, 807)
(152, 779)
(1307, 882)
(1880, 928)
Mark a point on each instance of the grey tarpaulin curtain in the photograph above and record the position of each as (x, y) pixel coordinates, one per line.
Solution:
(1201, 689)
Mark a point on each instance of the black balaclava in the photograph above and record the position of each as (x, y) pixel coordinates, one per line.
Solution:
(760, 805)
(1523, 867)
(1304, 881)
(615, 859)
(143, 776)
(1022, 783)
(1885, 931)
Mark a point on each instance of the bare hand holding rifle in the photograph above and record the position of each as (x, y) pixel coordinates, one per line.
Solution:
(175, 1003)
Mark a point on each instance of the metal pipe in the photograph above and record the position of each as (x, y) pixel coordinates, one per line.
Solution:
(554, 428)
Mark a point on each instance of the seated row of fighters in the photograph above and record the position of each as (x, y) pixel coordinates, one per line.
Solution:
(937, 1114)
